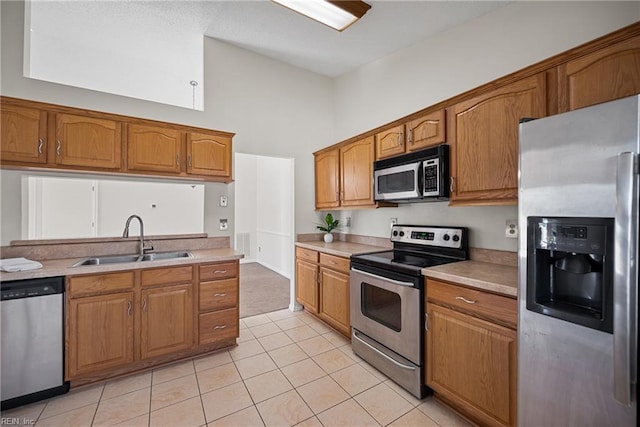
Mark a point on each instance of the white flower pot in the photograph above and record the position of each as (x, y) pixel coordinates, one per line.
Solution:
(328, 238)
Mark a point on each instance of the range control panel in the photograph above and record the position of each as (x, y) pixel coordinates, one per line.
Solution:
(446, 237)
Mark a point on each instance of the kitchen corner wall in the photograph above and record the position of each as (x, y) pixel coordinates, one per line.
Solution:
(273, 108)
(452, 62)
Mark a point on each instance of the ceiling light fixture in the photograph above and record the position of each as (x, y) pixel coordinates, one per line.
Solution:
(335, 14)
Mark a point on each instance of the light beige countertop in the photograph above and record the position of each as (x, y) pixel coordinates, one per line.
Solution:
(63, 267)
(498, 278)
(340, 248)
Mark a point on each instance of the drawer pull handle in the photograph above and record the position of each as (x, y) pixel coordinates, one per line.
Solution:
(220, 327)
(58, 146)
(129, 308)
(426, 321)
(219, 295)
(219, 271)
(332, 262)
(144, 305)
(40, 144)
(468, 301)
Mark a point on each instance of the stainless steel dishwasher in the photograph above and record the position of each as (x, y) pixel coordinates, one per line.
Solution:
(32, 340)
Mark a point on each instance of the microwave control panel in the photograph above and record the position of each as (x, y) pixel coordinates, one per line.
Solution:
(431, 170)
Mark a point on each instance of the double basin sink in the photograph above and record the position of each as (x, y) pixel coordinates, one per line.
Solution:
(119, 259)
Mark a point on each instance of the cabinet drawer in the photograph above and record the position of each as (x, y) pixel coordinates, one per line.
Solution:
(218, 295)
(219, 271)
(307, 254)
(84, 285)
(335, 262)
(218, 325)
(501, 309)
(162, 276)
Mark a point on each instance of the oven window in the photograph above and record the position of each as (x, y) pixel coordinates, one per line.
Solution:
(396, 182)
(381, 306)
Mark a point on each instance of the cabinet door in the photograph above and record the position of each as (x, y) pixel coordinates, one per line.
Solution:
(208, 155)
(356, 173)
(167, 320)
(426, 131)
(483, 135)
(88, 142)
(99, 333)
(472, 363)
(605, 75)
(334, 299)
(23, 134)
(153, 148)
(390, 142)
(307, 285)
(327, 171)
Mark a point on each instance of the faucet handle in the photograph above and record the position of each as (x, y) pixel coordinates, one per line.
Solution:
(148, 246)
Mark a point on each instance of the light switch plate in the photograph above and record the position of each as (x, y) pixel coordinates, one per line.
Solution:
(224, 201)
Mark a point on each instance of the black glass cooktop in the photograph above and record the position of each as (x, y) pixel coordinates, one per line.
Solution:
(401, 260)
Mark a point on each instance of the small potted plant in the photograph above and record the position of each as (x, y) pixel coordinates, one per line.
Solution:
(327, 226)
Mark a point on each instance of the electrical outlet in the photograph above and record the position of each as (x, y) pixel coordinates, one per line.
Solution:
(511, 229)
(224, 224)
(348, 221)
(223, 201)
(394, 221)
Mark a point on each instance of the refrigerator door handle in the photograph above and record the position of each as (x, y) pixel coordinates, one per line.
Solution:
(625, 278)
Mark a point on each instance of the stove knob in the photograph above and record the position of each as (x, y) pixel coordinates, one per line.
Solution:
(446, 237)
(456, 237)
(395, 232)
(401, 233)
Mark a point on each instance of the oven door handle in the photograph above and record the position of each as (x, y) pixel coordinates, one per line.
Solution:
(375, 276)
(395, 362)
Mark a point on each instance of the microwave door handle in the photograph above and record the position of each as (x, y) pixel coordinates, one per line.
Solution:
(625, 277)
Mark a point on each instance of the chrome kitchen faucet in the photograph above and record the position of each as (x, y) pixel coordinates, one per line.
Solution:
(143, 247)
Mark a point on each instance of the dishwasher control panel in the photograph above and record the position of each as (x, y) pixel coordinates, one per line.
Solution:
(31, 288)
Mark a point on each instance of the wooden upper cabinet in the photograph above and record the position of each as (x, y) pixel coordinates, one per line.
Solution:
(208, 155)
(390, 142)
(605, 75)
(327, 177)
(24, 134)
(426, 131)
(483, 134)
(356, 173)
(153, 148)
(87, 142)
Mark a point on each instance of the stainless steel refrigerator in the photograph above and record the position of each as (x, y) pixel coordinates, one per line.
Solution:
(578, 273)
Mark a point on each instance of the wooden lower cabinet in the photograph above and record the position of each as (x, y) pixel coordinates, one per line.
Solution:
(167, 320)
(307, 285)
(334, 299)
(99, 333)
(322, 287)
(124, 321)
(471, 361)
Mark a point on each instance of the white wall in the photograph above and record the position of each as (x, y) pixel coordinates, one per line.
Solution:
(450, 63)
(246, 206)
(274, 214)
(273, 108)
(264, 210)
(281, 111)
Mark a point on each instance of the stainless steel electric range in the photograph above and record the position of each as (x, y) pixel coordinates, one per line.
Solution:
(387, 299)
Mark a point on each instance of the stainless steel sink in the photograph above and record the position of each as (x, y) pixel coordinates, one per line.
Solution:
(118, 259)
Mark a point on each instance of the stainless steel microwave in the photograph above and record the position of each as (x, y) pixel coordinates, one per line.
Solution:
(421, 176)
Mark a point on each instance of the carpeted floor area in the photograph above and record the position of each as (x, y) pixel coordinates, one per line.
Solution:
(261, 290)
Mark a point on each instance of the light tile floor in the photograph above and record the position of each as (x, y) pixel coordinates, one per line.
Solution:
(288, 369)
